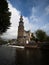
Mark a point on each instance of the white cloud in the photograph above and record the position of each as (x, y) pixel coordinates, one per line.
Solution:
(46, 28)
(15, 15)
(34, 10)
(34, 17)
(37, 21)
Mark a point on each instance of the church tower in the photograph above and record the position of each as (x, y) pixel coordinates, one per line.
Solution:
(21, 31)
(23, 36)
(21, 27)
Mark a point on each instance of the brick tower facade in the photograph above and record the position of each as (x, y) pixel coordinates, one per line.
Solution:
(21, 32)
(23, 36)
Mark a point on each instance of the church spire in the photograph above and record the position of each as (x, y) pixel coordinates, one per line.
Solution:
(21, 18)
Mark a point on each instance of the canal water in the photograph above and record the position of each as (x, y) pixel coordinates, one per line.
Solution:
(15, 56)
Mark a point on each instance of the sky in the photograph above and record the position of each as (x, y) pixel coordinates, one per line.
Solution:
(35, 16)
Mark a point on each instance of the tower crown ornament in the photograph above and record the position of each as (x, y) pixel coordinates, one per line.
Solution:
(21, 18)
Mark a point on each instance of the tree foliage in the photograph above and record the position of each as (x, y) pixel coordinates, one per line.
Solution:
(47, 39)
(4, 16)
(41, 35)
(32, 37)
(2, 41)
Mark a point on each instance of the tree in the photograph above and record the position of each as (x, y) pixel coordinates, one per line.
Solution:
(2, 41)
(4, 16)
(41, 35)
(32, 37)
(47, 39)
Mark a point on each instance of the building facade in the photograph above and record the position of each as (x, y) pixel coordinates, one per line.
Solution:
(23, 36)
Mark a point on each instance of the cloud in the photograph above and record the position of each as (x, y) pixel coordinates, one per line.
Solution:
(47, 10)
(15, 15)
(34, 17)
(37, 22)
(46, 28)
(32, 23)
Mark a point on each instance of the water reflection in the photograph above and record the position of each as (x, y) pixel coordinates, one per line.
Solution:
(45, 57)
(15, 56)
(28, 57)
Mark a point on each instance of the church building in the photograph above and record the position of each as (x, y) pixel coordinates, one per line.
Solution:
(23, 36)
